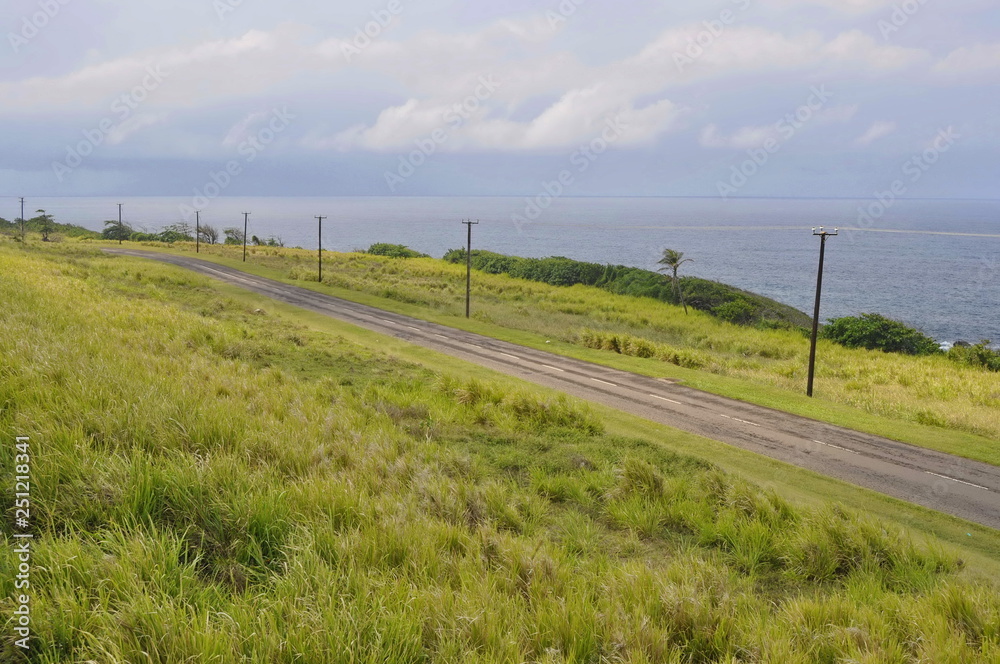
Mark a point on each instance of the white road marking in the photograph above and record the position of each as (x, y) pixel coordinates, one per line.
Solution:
(836, 447)
(513, 357)
(415, 329)
(603, 382)
(390, 322)
(945, 477)
(548, 366)
(656, 396)
(736, 419)
(441, 336)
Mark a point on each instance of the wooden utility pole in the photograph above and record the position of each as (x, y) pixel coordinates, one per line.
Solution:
(320, 247)
(468, 268)
(246, 222)
(822, 234)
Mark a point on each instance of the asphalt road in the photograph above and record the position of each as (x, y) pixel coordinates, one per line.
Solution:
(950, 484)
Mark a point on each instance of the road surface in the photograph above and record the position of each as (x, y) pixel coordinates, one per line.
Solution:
(950, 484)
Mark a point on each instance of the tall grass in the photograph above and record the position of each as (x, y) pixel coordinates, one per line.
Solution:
(214, 483)
(925, 390)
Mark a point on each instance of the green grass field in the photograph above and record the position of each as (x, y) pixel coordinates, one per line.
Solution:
(218, 480)
(927, 401)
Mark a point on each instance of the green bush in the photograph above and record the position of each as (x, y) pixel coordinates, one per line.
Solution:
(876, 332)
(738, 311)
(394, 251)
(979, 355)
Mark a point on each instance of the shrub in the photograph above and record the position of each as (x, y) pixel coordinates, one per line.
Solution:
(980, 355)
(876, 332)
(394, 251)
(738, 311)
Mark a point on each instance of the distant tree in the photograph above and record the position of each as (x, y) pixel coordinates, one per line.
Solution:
(233, 235)
(115, 231)
(208, 234)
(672, 260)
(45, 224)
(179, 232)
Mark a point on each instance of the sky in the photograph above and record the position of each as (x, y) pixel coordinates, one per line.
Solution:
(726, 98)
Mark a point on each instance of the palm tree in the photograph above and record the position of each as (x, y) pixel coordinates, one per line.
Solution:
(672, 260)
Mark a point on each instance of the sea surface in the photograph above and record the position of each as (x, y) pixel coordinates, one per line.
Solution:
(934, 264)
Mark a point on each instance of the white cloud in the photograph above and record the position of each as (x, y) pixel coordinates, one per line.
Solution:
(589, 96)
(742, 139)
(845, 6)
(981, 59)
(758, 50)
(134, 124)
(175, 77)
(876, 131)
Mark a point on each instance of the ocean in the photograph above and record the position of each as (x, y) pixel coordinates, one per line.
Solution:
(934, 264)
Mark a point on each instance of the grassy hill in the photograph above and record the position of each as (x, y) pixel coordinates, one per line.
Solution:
(723, 301)
(927, 401)
(212, 481)
(36, 225)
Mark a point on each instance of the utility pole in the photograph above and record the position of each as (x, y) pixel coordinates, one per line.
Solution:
(468, 268)
(121, 229)
(22, 219)
(197, 231)
(246, 221)
(320, 248)
(822, 234)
